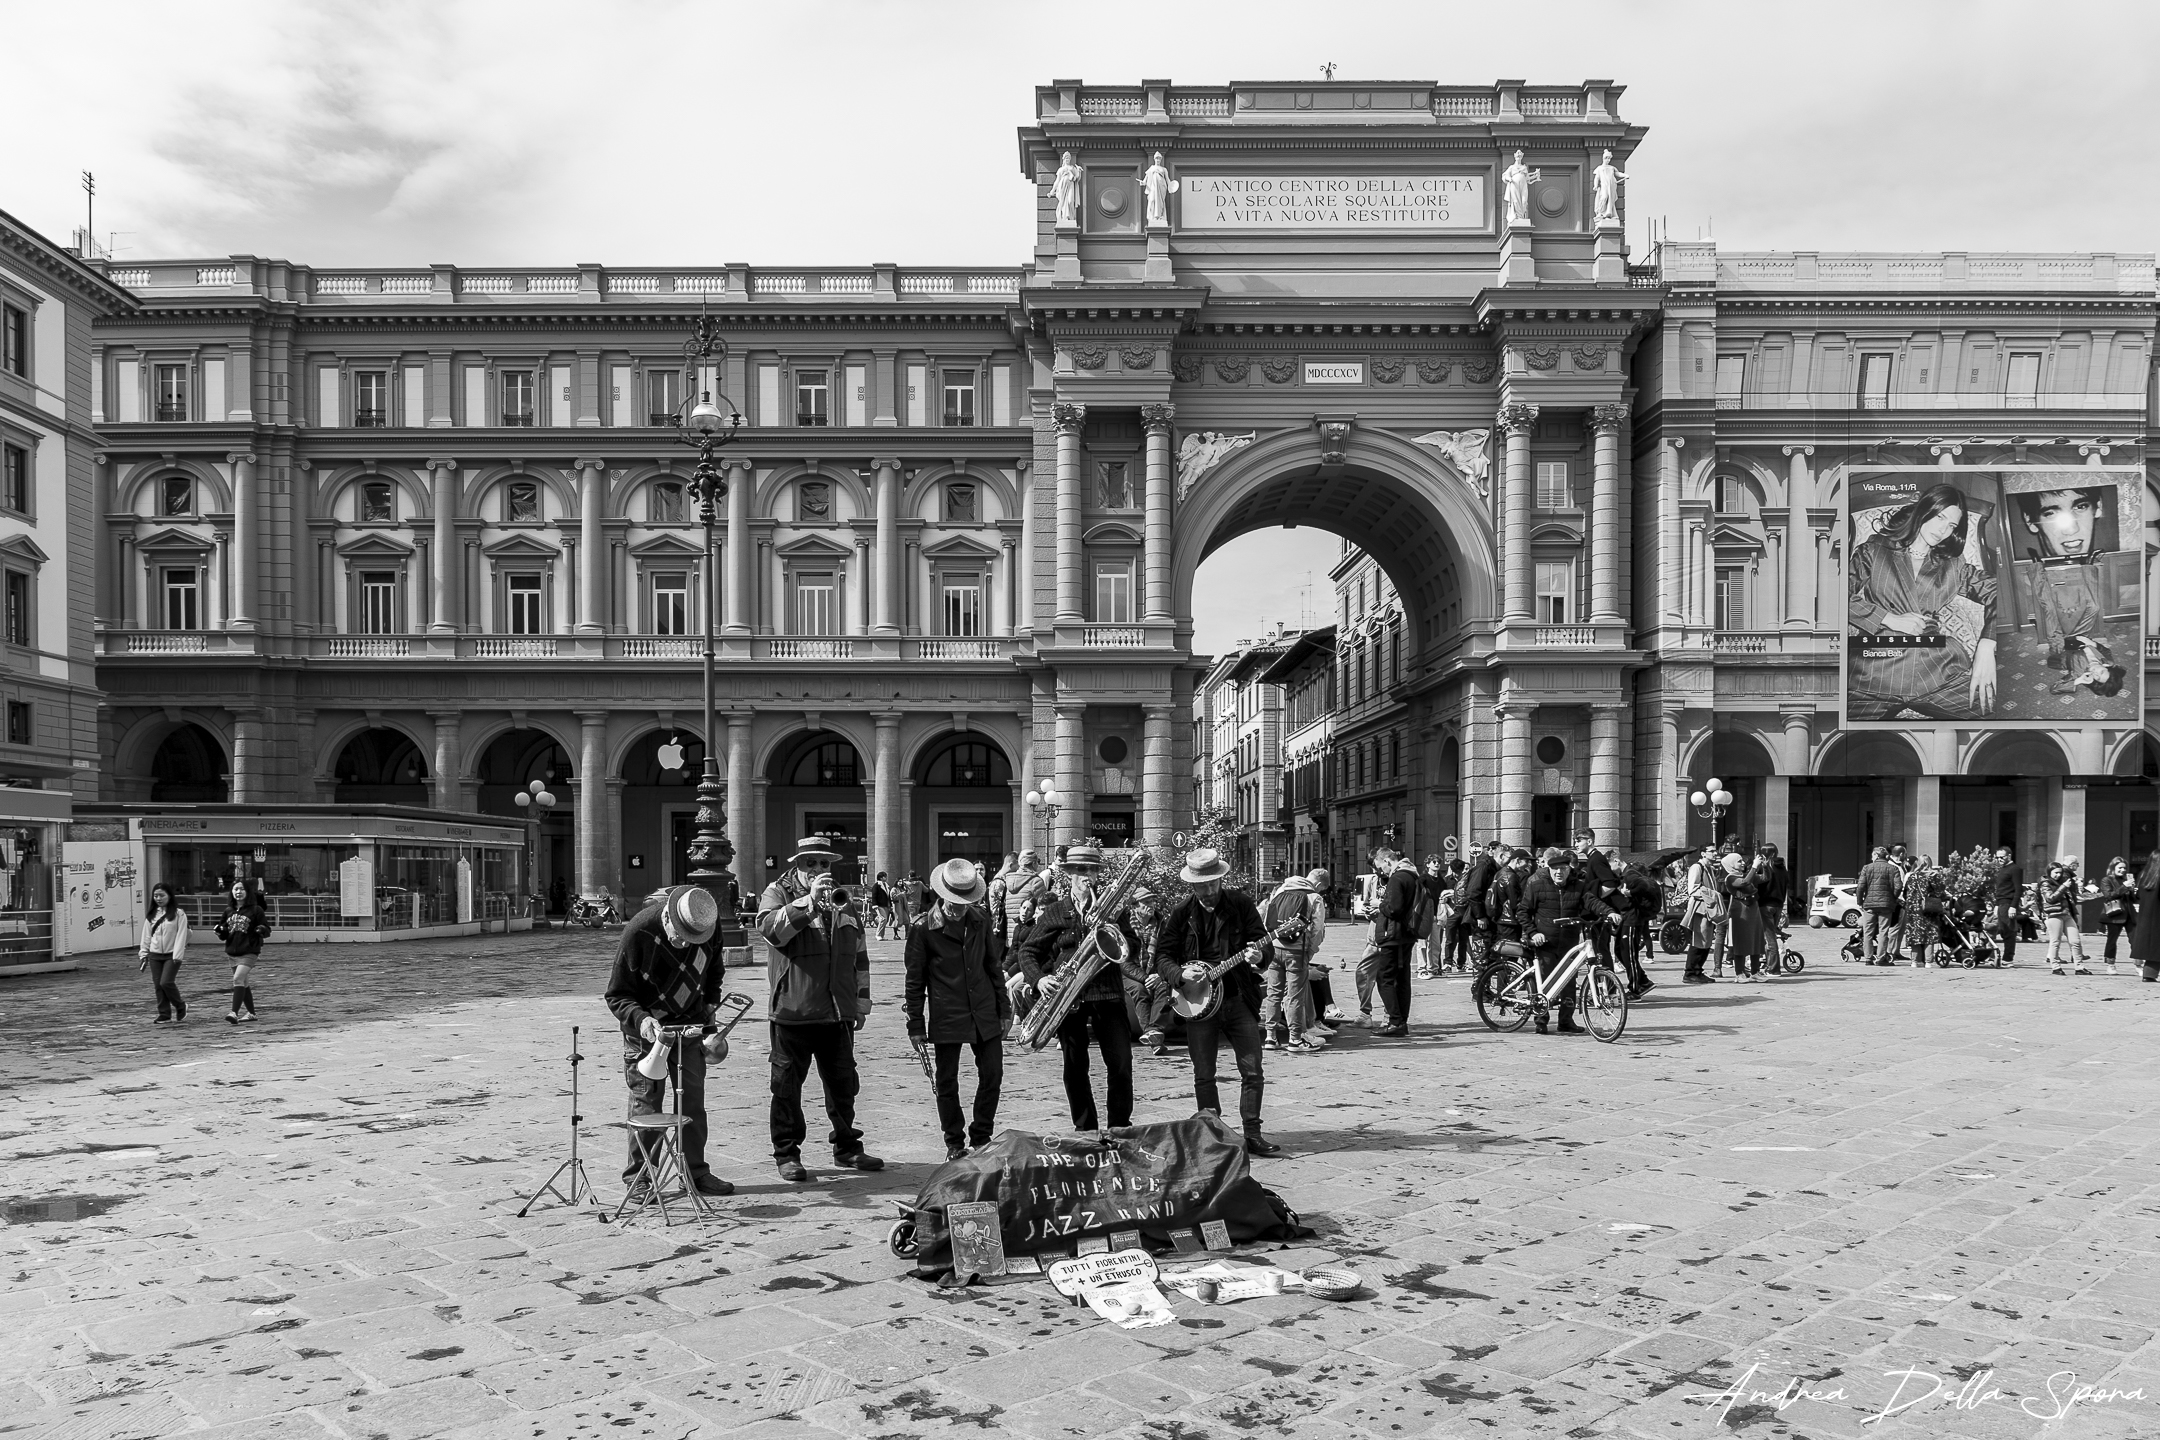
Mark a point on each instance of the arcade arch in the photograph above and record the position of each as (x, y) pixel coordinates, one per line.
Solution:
(962, 801)
(381, 766)
(815, 783)
(658, 818)
(508, 764)
(188, 766)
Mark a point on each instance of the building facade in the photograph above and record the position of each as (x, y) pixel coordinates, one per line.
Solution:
(406, 535)
(1304, 673)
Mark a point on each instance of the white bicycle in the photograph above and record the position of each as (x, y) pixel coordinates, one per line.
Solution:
(1512, 988)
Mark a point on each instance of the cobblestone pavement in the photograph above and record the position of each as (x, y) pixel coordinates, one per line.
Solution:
(307, 1227)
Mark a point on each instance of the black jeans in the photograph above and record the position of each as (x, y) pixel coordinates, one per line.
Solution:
(1457, 949)
(831, 1044)
(165, 974)
(2114, 929)
(647, 1097)
(989, 1079)
(1113, 1035)
(1393, 982)
(1236, 1022)
(2006, 931)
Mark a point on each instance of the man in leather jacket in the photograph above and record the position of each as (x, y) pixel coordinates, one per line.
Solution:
(1213, 925)
(1556, 903)
(1476, 885)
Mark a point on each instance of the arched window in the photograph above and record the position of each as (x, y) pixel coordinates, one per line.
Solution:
(830, 764)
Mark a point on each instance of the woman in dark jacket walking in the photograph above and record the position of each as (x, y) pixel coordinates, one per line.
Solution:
(2145, 938)
(2118, 905)
(245, 923)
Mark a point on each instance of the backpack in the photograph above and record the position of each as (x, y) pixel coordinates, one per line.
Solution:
(1288, 914)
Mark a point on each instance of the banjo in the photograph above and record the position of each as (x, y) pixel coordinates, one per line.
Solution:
(1200, 998)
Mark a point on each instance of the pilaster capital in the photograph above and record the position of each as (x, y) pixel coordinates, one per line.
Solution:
(1608, 417)
(1607, 707)
(589, 463)
(438, 464)
(1157, 418)
(889, 463)
(1068, 416)
(1796, 715)
(1798, 449)
(239, 457)
(591, 719)
(1676, 441)
(1517, 417)
(439, 716)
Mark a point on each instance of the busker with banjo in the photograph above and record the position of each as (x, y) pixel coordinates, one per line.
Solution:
(954, 961)
(668, 973)
(1057, 933)
(1207, 950)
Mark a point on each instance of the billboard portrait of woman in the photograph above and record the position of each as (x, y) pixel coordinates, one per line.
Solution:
(1922, 624)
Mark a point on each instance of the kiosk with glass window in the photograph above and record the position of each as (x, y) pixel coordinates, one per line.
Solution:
(337, 872)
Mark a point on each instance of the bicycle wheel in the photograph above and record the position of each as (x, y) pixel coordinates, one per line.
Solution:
(1603, 1002)
(1795, 962)
(1499, 1009)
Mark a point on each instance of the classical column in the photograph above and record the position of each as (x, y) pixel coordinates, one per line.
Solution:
(1800, 574)
(1923, 811)
(748, 862)
(1154, 774)
(247, 543)
(1670, 560)
(886, 846)
(1605, 423)
(887, 611)
(1156, 420)
(1672, 784)
(592, 561)
(1799, 742)
(1605, 772)
(248, 782)
(591, 793)
(447, 763)
(1516, 422)
(737, 555)
(1777, 815)
(1068, 419)
(1072, 779)
(1513, 822)
(444, 592)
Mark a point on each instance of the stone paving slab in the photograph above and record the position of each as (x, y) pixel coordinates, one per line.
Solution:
(307, 1227)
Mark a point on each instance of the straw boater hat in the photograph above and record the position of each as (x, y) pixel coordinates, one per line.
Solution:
(1083, 856)
(693, 912)
(813, 847)
(959, 882)
(1203, 865)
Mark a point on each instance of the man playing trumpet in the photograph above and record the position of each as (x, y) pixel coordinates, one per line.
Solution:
(820, 978)
(668, 973)
(954, 958)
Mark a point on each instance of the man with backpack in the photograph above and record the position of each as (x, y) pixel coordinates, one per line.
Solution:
(1296, 916)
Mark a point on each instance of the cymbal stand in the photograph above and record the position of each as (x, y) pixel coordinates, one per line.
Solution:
(580, 1183)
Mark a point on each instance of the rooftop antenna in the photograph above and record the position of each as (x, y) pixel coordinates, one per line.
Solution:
(1328, 70)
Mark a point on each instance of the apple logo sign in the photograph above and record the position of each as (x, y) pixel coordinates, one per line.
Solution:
(671, 754)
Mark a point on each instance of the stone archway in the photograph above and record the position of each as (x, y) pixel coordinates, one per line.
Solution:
(506, 768)
(659, 809)
(189, 766)
(816, 783)
(381, 766)
(962, 801)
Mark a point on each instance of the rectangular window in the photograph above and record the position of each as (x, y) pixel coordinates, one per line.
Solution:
(959, 397)
(2023, 391)
(20, 731)
(378, 602)
(1730, 499)
(1731, 376)
(667, 504)
(1732, 597)
(813, 398)
(18, 608)
(169, 392)
(179, 498)
(1555, 591)
(183, 596)
(15, 478)
(524, 597)
(963, 604)
(371, 399)
(1875, 382)
(15, 341)
(378, 503)
(1113, 592)
(517, 397)
(671, 604)
(1113, 485)
(663, 396)
(521, 502)
(817, 605)
(1552, 486)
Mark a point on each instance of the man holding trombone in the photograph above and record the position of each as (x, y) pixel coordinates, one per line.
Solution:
(668, 973)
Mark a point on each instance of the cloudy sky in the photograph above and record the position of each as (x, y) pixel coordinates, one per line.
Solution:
(844, 132)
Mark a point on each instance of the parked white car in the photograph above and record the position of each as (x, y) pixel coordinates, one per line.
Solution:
(1834, 900)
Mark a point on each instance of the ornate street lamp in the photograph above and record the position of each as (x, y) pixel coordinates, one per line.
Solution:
(1711, 802)
(534, 801)
(707, 423)
(1043, 803)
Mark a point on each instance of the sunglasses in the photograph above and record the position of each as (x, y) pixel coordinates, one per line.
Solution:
(815, 864)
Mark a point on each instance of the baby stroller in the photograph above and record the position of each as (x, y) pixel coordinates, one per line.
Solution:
(1966, 939)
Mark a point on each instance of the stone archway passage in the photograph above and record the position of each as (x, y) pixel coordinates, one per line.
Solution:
(815, 784)
(189, 767)
(381, 767)
(511, 762)
(658, 821)
(962, 803)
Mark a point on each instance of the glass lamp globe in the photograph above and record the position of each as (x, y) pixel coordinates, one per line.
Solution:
(705, 418)
(1698, 798)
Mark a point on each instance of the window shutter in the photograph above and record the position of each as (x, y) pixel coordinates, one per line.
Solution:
(561, 411)
(328, 413)
(415, 396)
(768, 393)
(1001, 395)
(858, 395)
(476, 395)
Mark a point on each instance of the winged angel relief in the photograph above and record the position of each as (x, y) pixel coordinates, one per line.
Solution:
(1201, 451)
(1466, 451)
